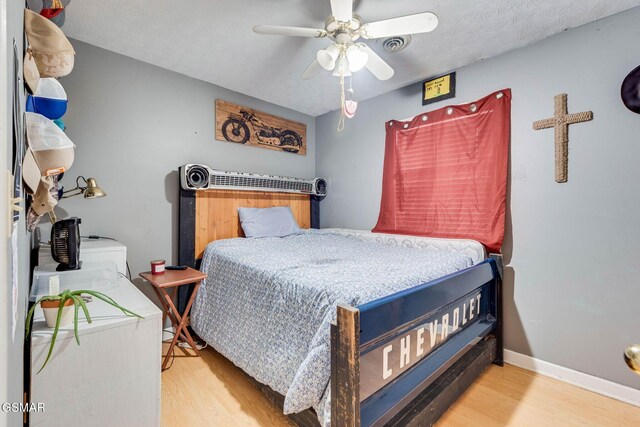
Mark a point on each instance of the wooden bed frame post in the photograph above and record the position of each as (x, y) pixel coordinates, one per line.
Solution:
(187, 238)
(186, 227)
(345, 368)
(315, 211)
(499, 360)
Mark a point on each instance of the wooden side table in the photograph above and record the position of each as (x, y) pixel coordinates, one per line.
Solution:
(173, 279)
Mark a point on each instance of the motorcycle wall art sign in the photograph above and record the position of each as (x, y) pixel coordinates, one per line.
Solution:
(242, 125)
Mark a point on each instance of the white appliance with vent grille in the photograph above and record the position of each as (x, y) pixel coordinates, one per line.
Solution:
(92, 250)
(201, 177)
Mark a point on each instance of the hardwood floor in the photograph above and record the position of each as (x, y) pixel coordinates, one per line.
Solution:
(211, 391)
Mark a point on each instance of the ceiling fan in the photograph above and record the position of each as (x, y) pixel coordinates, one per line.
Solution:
(346, 55)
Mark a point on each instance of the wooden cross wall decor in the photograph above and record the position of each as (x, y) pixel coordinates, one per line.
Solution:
(560, 122)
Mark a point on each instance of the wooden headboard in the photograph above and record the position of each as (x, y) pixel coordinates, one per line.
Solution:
(208, 215)
(217, 212)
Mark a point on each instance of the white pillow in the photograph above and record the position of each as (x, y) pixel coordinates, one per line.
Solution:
(268, 222)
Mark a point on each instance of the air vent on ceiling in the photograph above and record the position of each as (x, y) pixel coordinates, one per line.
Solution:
(396, 43)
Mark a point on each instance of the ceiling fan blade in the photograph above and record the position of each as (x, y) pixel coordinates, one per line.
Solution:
(376, 65)
(410, 24)
(275, 30)
(312, 70)
(342, 10)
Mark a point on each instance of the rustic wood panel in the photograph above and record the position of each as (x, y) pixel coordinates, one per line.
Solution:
(217, 212)
(264, 131)
(345, 368)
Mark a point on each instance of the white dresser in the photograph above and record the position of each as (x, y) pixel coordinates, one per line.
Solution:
(112, 378)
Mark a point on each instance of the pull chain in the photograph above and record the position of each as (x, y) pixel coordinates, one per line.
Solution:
(342, 100)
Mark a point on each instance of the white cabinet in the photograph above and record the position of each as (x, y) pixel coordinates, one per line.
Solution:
(112, 378)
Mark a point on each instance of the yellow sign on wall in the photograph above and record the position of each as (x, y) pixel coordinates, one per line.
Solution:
(439, 88)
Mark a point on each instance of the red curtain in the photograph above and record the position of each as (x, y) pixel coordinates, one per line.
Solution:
(445, 172)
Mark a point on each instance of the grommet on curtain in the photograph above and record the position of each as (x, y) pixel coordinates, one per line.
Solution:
(424, 118)
(473, 108)
(406, 125)
(390, 124)
(499, 95)
(449, 111)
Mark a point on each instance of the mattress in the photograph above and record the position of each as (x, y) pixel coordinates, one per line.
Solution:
(472, 248)
(268, 303)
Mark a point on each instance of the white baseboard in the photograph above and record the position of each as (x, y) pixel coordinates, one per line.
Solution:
(167, 333)
(577, 378)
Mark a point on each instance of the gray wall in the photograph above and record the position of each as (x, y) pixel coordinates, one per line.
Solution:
(11, 347)
(572, 289)
(133, 125)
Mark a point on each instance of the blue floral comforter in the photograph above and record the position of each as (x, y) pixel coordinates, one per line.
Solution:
(268, 303)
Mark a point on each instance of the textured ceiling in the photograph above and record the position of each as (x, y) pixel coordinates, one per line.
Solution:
(212, 40)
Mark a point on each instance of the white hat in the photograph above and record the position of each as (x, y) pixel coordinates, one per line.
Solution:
(49, 99)
(50, 151)
(50, 88)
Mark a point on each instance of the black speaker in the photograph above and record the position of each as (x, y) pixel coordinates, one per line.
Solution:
(320, 187)
(197, 176)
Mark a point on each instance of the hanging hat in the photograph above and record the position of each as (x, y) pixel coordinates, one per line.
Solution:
(49, 99)
(54, 11)
(630, 91)
(57, 16)
(50, 151)
(38, 5)
(60, 124)
(43, 199)
(50, 47)
(31, 73)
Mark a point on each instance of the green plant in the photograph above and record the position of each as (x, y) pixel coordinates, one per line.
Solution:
(78, 302)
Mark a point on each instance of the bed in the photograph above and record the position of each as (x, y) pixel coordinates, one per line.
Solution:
(364, 328)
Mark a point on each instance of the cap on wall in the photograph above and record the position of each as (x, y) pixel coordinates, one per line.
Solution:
(49, 99)
(43, 199)
(630, 91)
(60, 124)
(52, 51)
(54, 10)
(50, 151)
(38, 5)
(31, 73)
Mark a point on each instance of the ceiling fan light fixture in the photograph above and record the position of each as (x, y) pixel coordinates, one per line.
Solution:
(342, 67)
(346, 56)
(327, 57)
(357, 58)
